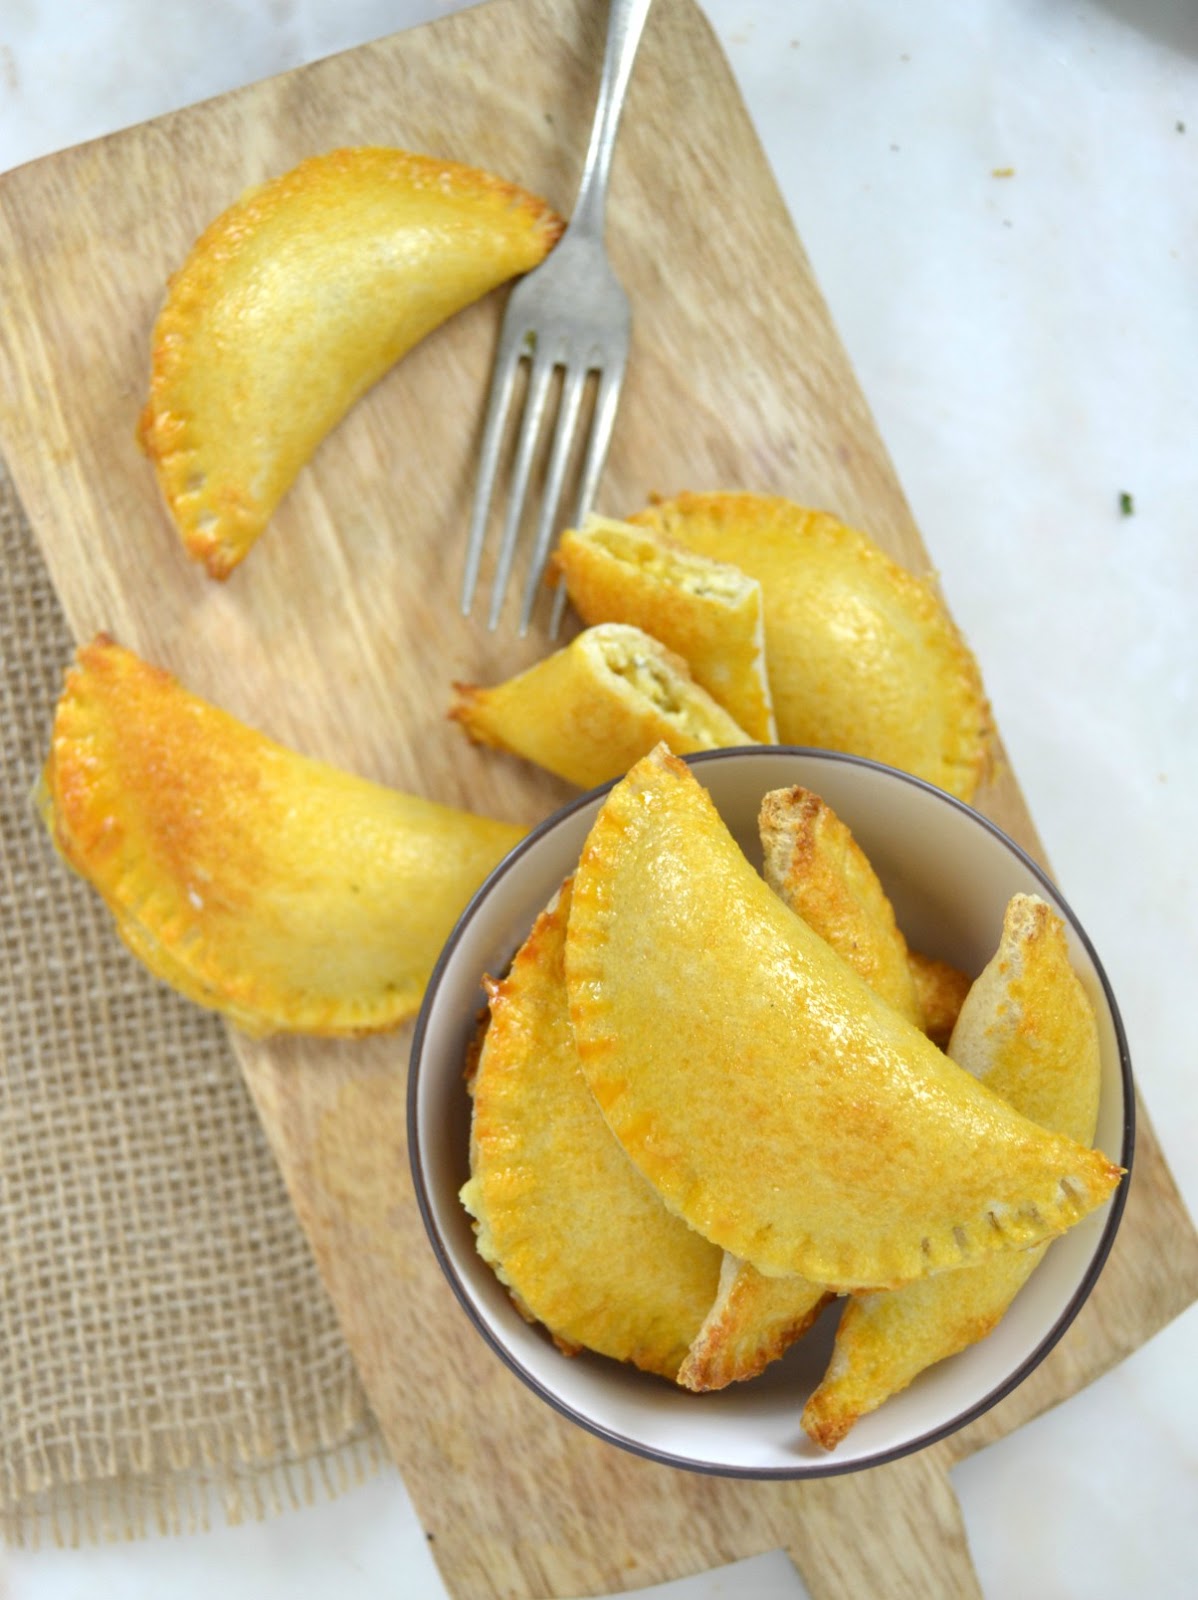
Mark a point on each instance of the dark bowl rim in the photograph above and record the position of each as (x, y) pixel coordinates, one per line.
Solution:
(818, 1468)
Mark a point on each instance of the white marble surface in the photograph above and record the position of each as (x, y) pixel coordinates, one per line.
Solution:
(1028, 344)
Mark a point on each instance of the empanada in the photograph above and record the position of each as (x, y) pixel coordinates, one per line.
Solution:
(775, 1103)
(862, 656)
(814, 864)
(753, 1320)
(285, 893)
(294, 302)
(590, 710)
(569, 1224)
(1028, 1032)
(706, 611)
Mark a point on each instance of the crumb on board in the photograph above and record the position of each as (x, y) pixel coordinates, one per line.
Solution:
(1002, 172)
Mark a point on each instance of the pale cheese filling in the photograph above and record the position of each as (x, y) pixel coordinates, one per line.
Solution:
(709, 580)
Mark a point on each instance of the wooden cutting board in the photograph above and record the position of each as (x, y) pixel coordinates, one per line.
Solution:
(340, 635)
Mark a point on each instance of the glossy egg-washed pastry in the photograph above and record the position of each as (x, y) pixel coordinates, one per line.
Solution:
(705, 611)
(774, 1101)
(1028, 1032)
(590, 710)
(583, 1243)
(812, 861)
(862, 656)
(287, 894)
(294, 302)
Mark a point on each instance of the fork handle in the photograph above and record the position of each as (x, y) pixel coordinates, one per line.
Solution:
(625, 24)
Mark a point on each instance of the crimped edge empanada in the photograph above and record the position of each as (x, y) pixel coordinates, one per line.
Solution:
(1027, 1030)
(569, 1225)
(771, 1098)
(276, 889)
(862, 655)
(295, 301)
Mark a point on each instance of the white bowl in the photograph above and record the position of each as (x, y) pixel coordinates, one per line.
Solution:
(949, 873)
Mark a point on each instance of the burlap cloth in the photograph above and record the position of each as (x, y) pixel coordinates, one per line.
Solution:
(166, 1346)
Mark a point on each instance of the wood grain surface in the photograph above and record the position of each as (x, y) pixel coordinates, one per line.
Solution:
(340, 636)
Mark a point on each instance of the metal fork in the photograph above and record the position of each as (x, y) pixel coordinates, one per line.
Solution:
(570, 313)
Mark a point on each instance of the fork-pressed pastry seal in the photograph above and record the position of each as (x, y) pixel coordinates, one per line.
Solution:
(294, 302)
(771, 1098)
(287, 894)
(862, 655)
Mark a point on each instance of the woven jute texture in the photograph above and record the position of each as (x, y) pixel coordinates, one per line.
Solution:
(166, 1347)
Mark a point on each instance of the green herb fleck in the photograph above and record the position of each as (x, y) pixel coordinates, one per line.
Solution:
(1127, 505)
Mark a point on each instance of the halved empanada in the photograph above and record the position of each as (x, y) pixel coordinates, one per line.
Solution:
(590, 710)
(294, 302)
(775, 1103)
(1028, 1032)
(862, 656)
(570, 1226)
(285, 893)
(706, 611)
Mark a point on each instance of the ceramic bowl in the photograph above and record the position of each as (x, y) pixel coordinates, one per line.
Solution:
(949, 873)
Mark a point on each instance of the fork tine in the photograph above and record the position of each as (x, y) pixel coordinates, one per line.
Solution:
(499, 402)
(601, 430)
(530, 428)
(573, 385)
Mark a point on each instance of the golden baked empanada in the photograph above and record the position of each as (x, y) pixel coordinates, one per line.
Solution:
(590, 710)
(1028, 1032)
(570, 1226)
(818, 869)
(754, 1320)
(285, 893)
(706, 611)
(812, 861)
(862, 656)
(1027, 1028)
(294, 302)
(771, 1098)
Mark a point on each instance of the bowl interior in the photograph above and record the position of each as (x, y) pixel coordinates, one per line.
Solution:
(949, 875)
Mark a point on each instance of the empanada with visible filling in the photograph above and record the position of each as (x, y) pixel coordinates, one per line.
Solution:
(862, 656)
(294, 302)
(1027, 1031)
(705, 611)
(775, 1103)
(588, 711)
(284, 893)
(570, 1226)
